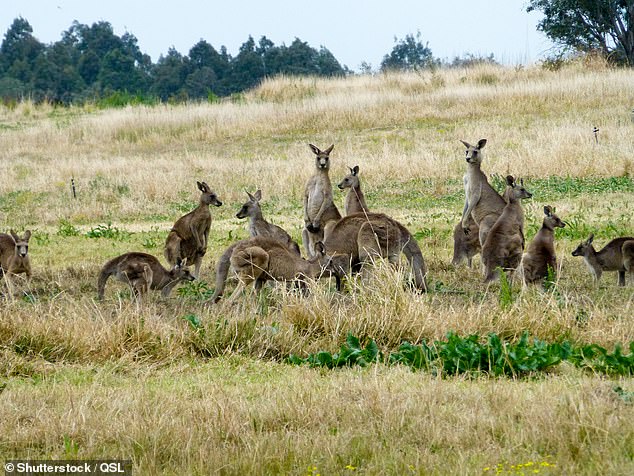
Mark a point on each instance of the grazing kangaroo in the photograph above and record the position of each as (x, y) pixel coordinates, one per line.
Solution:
(319, 208)
(617, 255)
(482, 201)
(260, 259)
(189, 235)
(466, 245)
(541, 251)
(359, 238)
(142, 272)
(355, 201)
(14, 257)
(258, 226)
(505, 241)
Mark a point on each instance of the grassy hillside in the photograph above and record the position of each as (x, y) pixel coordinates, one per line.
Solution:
(184, 388)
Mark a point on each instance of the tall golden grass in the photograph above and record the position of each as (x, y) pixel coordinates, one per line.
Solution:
(88, 380)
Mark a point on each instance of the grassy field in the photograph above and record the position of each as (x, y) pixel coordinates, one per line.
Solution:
(179, 387)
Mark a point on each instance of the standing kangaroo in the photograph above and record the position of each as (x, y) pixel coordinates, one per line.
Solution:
(319, 208)
(258, 226)
(260, 259)
(14, 258)
(141, 272)
(465, 245)
(357, 239)
(505, 241)
(541, 250)
(617, 255)
(482, 201)
(189, 235)
(355, 201)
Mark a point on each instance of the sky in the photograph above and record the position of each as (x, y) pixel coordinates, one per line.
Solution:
(354, 31)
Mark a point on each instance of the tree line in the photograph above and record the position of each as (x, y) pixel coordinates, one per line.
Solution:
(91, 62)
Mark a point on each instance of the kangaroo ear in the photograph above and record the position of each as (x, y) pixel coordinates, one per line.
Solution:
(27, 235)
(179, 263)
(183, 263)
(548, 211)
(329, 149)
(590, 238)
(258, 195)
(466, 144)
(510, 180)
(522, 181)
(355, 170)
(314, 148)
(251, 197)
(201, 186)
(14, 235)
(482, 143)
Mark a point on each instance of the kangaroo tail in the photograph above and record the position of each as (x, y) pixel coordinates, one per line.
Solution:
(415, 257)
(222, 270)
(101, 281)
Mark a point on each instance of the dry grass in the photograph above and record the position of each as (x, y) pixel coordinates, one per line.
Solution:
(179, 400)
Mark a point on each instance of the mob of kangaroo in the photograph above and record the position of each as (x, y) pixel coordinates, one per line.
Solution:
(336, 246)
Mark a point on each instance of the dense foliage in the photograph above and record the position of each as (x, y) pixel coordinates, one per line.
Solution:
(605, 26)
(92, 63)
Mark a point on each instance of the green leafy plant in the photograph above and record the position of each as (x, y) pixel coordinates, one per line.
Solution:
(66, 228)
(473, 355)
(108, 231)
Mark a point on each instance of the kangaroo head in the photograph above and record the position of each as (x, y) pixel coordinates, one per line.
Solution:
(551, 220)
(251, 206)
(180, 271)
(473, 154)
(324, 260)
(21, 244)
(208, 196)
(585, 247)
(515, 191)
(351, 180)
(322, 159)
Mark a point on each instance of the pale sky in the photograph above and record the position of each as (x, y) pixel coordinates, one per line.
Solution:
(353, 30)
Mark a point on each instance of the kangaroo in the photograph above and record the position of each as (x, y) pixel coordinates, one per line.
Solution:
(188, 237)
(541, 251)
(355, 201)
(319, 208)
(142, 272)
(466, 246)
(482, 201)
(617, 255)
(505, 241)
(258, 226)
(260, 259)
(14, 258)
(358, 238)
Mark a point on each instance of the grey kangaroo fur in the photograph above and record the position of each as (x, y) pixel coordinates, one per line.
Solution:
(540, 254)
(466, 245)
(141, 272)
(14, 257)
(260, 259)
(482, 201)
(357, 239)
(258, 226)
(617, 255)
(189, 235)
(355, 200)
(319, 207)
(505, 240)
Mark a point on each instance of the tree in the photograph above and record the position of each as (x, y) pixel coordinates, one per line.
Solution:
(19, 50)
(589, 25)
(409, 54)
